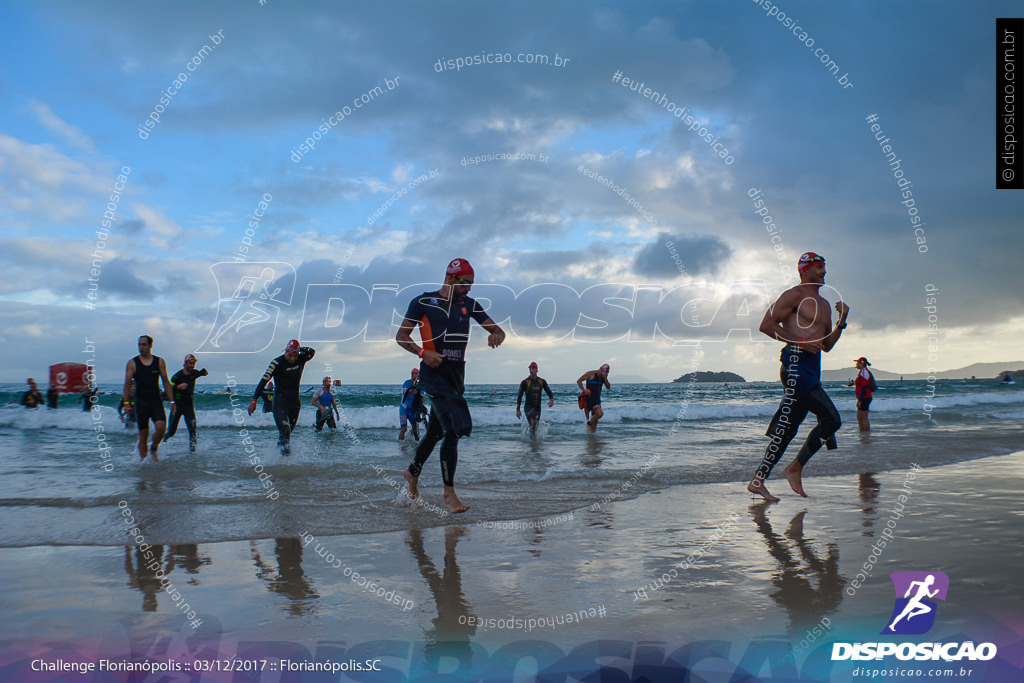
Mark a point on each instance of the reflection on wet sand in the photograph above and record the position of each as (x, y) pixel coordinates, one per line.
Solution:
(804, 602)
(142, 577)
(868, 487)
(451, 632)
(288, 579)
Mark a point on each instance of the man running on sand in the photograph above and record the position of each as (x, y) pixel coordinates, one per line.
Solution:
(802, 318)
(146, 371)
(443, 318)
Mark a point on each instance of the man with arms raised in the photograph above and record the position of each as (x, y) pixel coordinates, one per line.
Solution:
(146, 371)
(286, 373)
(443, 318)
(803, 319)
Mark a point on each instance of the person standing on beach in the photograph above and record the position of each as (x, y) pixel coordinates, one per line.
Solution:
(531, 387)
(286, 372)
(146, 371)
(863, 392)
(596, 380)
(405, 409)
(802, 318)
(33, 398)
(443, 318)
(323, 400)
(184, 382)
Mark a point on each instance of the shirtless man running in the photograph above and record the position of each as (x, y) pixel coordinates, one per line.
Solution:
(802, 318)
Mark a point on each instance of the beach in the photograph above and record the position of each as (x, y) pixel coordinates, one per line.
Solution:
(698, 577)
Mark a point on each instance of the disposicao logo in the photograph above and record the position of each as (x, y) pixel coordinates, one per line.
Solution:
(914, 611)
(914, 614)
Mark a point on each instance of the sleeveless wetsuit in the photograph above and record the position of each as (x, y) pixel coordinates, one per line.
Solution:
(594, 399)
(149, 404)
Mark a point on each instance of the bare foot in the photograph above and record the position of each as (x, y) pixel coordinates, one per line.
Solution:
(152, 452)
(792, 473)
(413, 482)
(757, 486)
(452, 502)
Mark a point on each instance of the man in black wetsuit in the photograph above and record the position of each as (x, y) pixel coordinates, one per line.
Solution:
(802, 318)
(286, 372)
(184, 382)
(146, 371)
(596, 380)
(443, 318)
(531, 387)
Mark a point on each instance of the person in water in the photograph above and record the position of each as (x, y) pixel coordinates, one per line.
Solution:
(405, 409)
(286, 372)
(323, 400)
(531, 388)
(596, 380)
(184, 382)
(863, 393)
(444, 317)
(268, 398)
(142, 377)
(33, 398)
(801, 318)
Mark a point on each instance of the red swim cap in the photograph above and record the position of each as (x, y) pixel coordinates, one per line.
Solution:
(808, 260)
(606, 368)
(293, 345)
(532, 365)
(459, 268)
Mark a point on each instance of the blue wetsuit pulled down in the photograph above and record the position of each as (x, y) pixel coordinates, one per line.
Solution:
(801, 379)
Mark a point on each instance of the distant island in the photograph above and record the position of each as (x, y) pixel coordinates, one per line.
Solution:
(710, 377)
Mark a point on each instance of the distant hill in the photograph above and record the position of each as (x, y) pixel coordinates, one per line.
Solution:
(704, 376)
(631, 379)
(979, 370)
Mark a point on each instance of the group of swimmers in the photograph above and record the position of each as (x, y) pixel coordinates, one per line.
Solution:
(800, 318)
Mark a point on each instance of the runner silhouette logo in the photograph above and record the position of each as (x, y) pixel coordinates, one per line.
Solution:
(916, 593)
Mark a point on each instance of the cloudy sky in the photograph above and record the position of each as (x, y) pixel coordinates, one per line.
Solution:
(580, 272)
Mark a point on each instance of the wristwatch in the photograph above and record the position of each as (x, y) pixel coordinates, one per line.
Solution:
(841, 326)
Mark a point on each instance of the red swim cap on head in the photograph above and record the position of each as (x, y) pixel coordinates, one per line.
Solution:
(532, 365)
(459, 268)
(606, 368)
(188, 357)
(293, 345)
(809, 259)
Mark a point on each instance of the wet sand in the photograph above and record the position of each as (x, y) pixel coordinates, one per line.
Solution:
(668, 569)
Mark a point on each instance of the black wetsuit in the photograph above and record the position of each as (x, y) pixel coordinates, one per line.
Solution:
(286, 378)
(532, 388)
(419, 413)
(801, 379)
(87, 401)
(268, 401)
(183, 404)
(444, 328)
(149, 403)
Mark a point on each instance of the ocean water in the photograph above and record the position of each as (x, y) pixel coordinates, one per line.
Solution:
(66, 481)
